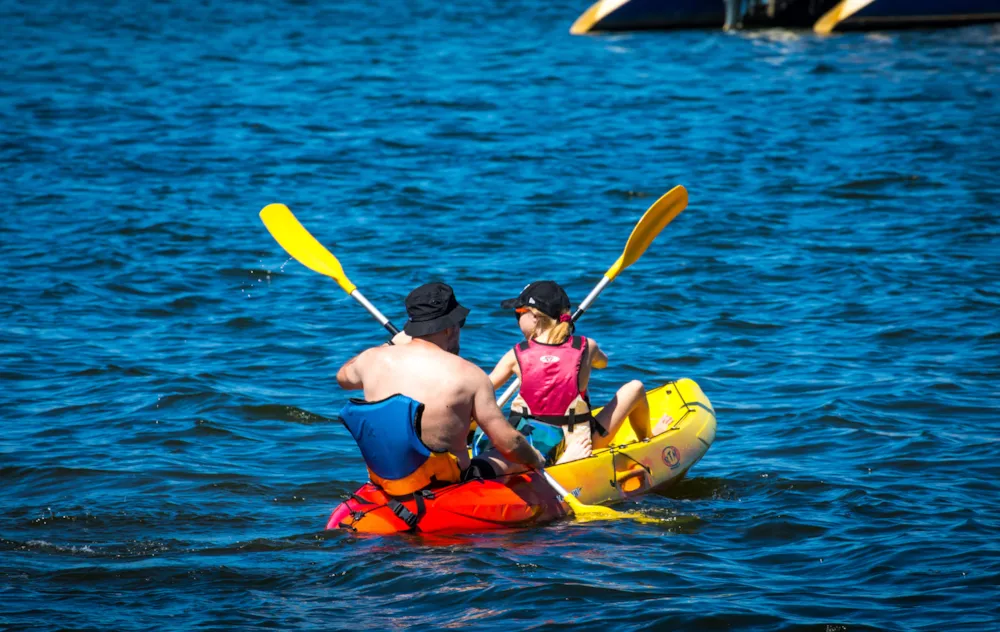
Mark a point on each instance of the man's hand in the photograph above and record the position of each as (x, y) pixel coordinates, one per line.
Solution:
(401, 338)
(540, 463)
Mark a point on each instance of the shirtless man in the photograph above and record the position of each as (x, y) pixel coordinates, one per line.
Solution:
(420, 399)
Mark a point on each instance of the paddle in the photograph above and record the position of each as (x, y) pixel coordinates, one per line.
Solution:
(301, 245)
(840, 12)
(298, 242)
(588, 513)
(655, 219)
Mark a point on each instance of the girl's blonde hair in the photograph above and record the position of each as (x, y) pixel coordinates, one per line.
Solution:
(543, 322)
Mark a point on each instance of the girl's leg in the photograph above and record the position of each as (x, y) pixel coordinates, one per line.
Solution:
(629, 401)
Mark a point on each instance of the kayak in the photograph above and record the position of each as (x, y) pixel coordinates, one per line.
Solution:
(626, 470)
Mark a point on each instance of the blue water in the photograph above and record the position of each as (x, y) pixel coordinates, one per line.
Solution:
(168, 458)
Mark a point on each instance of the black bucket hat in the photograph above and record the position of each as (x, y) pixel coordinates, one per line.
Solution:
(547, 297)
(433, 308)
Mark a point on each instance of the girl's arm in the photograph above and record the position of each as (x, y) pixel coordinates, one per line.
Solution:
(503, 370)
(598, 359)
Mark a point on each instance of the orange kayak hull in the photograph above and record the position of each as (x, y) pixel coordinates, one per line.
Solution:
(521, 501)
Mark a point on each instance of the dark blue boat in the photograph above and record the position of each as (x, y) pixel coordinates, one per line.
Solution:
(883, 14)
(635, 15)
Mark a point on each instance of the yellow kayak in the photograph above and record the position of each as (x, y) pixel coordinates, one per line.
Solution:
(630, 468)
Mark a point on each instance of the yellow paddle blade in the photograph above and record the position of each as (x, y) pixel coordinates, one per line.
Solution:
(587, 513)
(297, 241)
(592, 513)
(840, 12)
(661, 213)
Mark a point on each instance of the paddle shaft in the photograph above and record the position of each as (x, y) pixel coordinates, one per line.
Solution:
(379, 316)
(566, 496)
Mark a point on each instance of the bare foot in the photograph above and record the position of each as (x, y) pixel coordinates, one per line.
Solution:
(576, 450)
(663, 424)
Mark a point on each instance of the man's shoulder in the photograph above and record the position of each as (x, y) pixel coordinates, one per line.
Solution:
(437, 363)
(464, 374)
(454, 363)
(472, 369)
(370, 352)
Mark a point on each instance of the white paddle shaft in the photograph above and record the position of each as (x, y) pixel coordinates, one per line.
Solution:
(379, 316)
(555, 485)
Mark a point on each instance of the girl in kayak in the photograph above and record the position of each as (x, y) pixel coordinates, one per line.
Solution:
(553, 407)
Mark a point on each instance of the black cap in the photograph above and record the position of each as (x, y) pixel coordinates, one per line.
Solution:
(547, 297)
(433, 308)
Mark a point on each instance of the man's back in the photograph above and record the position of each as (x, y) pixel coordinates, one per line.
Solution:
(443, 382)
(428, 370)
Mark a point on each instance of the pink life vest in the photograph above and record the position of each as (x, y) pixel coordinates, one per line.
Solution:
(550, 376)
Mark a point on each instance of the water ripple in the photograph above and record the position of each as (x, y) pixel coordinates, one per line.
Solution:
(170, 447)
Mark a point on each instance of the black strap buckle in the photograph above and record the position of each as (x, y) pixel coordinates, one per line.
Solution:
(411, 519)
(404, 514)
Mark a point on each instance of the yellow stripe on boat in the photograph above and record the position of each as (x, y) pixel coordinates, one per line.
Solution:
(839, 13)
(593, 15)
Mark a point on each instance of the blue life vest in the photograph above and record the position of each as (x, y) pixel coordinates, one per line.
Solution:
(387, 431)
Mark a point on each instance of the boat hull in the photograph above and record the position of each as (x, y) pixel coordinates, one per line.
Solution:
(883, 14)
(637, 15)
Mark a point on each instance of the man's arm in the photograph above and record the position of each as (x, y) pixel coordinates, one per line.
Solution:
(503, 370)
(349, 375)
(511, 443)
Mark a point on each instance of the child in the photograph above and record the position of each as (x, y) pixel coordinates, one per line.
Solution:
(554, 367)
